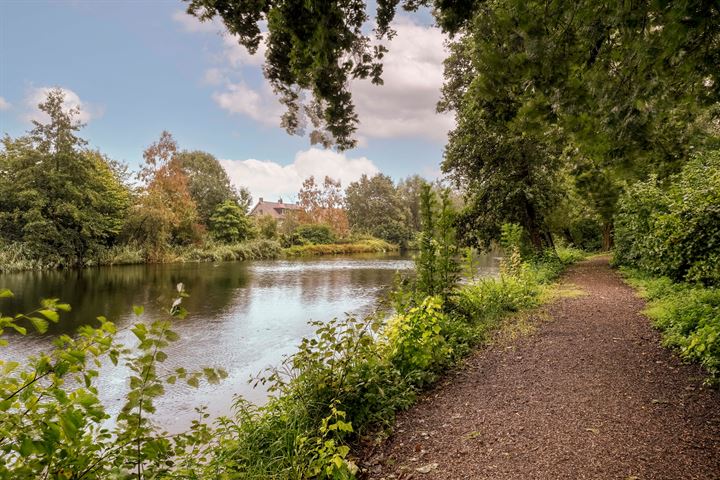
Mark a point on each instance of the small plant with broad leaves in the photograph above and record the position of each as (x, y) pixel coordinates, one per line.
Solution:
(52, 422)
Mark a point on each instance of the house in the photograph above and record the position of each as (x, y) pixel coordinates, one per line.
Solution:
(276, 210)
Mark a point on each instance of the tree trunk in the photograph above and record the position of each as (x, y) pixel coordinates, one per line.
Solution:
(607, 242)
(532, 226)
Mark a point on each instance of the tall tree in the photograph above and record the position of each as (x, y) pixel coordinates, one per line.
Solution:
(323, 204)
(209, 184)
(63, 200)
(410, 190)
(164, 212)
(374, 206)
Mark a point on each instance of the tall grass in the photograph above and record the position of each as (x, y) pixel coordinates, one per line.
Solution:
(363, 246)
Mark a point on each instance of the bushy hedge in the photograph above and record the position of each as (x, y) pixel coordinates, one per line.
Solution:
(673, 229)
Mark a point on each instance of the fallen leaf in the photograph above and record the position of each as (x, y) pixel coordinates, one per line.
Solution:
(427, 468)
(593, 430)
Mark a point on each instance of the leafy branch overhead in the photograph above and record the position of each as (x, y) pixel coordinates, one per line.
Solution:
(573, 58)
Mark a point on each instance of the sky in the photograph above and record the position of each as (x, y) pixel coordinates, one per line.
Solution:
(138, 67)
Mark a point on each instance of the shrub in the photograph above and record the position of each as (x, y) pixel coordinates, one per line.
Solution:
(313, 234)
(674, 230)
(365, 246)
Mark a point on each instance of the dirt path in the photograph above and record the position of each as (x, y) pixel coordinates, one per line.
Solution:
(590, 395)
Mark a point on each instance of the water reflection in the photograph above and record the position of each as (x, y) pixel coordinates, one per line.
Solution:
(244, 316)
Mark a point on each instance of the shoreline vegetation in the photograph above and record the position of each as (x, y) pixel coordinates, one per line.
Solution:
(15, 257)
(343, 386)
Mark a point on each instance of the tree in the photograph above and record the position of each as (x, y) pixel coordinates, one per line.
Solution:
(323, 204)
(229, 223)
(164, 212)
(66, 202)
(267, 227)
(615, 72)
(410, 190)
(209, 184)
(374, 207)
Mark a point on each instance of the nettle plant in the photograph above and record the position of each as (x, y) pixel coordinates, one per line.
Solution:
(52, 422)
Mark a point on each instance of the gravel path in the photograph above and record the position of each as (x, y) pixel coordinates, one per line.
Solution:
(590, 395)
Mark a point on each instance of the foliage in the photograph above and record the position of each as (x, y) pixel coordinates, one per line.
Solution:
(674, 229)
(619, 77)
(164, 214)
(345, 248)
(375, 207)
(250, 250)
(436, 264)
(323, 204)
(229, 224)
(318, 48)
(62, 201)
(52, 423)
(267, 226)
(688, 315)
(309, 234)
(409, 190)
(209, 185)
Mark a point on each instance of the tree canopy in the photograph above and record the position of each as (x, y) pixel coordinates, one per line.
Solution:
(61, 198)
(607, 68)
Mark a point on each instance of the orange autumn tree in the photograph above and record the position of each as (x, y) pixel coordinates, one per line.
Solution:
(164, 213)
(323, 204)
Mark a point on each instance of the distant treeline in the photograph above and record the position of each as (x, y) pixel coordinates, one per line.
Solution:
(65, 204)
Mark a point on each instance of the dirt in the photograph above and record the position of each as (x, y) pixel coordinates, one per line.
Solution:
(591, 394)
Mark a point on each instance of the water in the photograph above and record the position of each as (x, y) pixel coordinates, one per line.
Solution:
(243, 316)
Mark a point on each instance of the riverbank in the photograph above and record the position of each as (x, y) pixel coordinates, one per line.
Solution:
(353, 375)
(363, 246)
(591, 394)
(16, 257)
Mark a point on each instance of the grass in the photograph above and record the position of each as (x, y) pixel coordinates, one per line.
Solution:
(362, 246)
(688, 315)
(17, 257)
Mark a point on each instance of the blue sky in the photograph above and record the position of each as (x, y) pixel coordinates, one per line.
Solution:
(136, 68)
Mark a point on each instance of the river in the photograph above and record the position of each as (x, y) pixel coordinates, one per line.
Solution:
(243, 316)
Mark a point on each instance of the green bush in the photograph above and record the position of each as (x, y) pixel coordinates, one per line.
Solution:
(229, 224)
(372, 245)
(674, 230)
(586, 233)
(688, 315)
(313, 234)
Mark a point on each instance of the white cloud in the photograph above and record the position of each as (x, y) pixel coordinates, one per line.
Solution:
(38, 95)
(4, 104)
(270, 180)
(213, 76)
(404, 106)
(260, 105)
(238, 56)
(191, 24)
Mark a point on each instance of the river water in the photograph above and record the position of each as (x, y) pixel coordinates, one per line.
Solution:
(243, 316)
